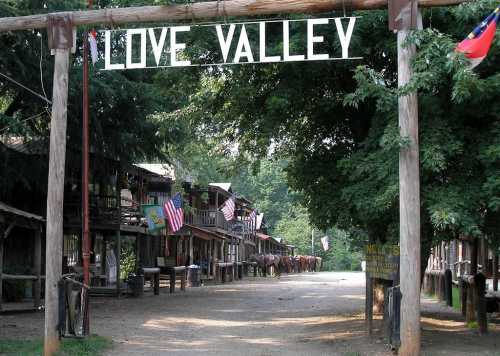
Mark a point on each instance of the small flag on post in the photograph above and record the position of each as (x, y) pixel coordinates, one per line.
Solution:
(325, 243)
(478, 42)
(174, 212)
(93, 46)
(228, 209)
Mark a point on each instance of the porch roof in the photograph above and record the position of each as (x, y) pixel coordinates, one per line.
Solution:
(11, 210)
(262, 236)
(205, 233)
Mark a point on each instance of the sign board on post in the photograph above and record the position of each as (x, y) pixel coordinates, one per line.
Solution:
(382, 261)
(274, 41)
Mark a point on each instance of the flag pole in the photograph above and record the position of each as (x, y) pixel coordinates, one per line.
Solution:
(85, 177)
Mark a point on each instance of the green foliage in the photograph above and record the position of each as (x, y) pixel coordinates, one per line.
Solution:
(91, 346)
(127, 261)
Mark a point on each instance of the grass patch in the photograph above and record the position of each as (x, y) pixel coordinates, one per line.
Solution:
(455, 292)
(473, 325)
(92, 346)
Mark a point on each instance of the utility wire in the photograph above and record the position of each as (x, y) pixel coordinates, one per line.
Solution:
(22, 121)
(25, 87)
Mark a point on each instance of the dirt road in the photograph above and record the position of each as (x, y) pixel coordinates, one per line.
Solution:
(305, 314)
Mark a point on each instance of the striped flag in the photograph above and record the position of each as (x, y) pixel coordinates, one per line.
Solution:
(228, 209)
(174, 213)
(252, 215)
(93, 46)
(325, 242)
(477, 44)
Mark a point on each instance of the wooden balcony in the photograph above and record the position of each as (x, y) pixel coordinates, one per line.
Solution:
(214, 219)
(103, 210)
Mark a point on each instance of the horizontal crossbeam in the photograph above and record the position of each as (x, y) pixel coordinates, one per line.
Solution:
(203, 10)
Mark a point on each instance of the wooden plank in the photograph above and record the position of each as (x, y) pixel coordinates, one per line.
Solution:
(495, 271)
(37, 262)
(55, 198)
(204, 10)
(1, 263)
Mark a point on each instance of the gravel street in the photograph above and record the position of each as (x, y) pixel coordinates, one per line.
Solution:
(301, 314)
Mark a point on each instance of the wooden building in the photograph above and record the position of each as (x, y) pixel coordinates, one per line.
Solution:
(21, 255)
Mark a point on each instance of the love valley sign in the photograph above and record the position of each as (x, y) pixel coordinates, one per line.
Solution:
(318, 39)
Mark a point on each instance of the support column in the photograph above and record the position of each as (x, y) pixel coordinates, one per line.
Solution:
(1, 263)
(409, 204)
(118, 250)
(37, 262)
(495, 271)
(61, 40)
(191, 249)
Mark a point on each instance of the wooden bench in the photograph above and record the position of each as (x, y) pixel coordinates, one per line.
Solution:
(169, 271)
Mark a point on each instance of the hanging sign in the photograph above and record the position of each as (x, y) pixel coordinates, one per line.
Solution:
(154, 216)
(318, 39)
(382, 261)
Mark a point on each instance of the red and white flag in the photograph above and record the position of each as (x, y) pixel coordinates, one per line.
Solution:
(93, 46)
(228, 209)
(478, 42)
(174, 212)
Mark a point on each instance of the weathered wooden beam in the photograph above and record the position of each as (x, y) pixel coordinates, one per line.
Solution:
(409, 201)
(37, 262)
(55, 195)
(204, 10)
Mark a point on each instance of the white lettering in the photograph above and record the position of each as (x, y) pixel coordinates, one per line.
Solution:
(243, 43)
(157, 46)
(311, 39)
(345, 38)
(286, 45)
(262, 46)
(130, 34)
(107, 54)
(225, 44)
(174, 46)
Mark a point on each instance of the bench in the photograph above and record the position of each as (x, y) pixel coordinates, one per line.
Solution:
(222, 271)
(169, 271)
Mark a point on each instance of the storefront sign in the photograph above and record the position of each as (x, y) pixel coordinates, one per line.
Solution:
(319, 39)
(382, 261)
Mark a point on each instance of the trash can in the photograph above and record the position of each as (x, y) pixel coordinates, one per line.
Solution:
(194, 276)
(136, 284)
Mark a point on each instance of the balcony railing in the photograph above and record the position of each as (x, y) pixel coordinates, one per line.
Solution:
(215, 219)
(104, 210)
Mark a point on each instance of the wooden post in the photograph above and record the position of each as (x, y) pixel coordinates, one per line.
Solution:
(473, 257)
(448, 287)
(1, 262)
(495, 271)
(191, 249)
(409, 204)
(369, 305)
(118, 250)
(37, 261)
(480, 287)
(62, 39)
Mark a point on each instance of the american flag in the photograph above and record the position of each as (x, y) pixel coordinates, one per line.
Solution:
(252, 215)
(228, 209)
(174, 213)
(477, 44)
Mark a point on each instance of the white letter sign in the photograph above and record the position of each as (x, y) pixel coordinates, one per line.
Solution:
(150, 47)
(175, 46)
